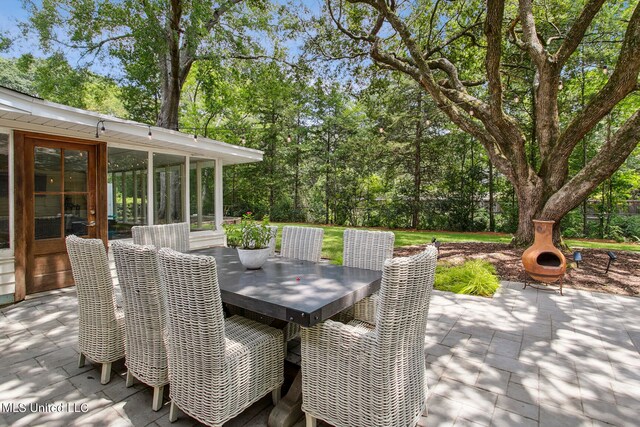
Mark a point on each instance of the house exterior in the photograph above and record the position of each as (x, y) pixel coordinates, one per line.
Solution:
(69, 171)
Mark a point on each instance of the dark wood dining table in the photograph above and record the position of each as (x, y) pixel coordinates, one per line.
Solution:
(301, 292)
(291, 290)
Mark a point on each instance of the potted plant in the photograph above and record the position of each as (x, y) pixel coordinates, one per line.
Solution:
(251, 238)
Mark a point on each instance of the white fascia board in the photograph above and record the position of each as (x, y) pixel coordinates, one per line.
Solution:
(139, 131)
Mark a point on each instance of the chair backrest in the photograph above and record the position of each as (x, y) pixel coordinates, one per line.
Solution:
(272, 242)
(367, 249)
(403, 304)
(138, 270)
(96, 297)
(174, 236)
(195, 337)
(304, 243)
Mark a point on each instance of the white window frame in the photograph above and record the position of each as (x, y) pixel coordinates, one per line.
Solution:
(9, 252)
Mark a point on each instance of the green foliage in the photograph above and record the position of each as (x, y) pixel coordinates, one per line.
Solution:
(248, 233)
(474, 277)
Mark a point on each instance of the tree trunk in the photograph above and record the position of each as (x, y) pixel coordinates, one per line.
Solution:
(168, 117)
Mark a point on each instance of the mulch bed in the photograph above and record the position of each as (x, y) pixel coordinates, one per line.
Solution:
(623, 277)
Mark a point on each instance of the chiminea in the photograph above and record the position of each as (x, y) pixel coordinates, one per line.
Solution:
(542, 261)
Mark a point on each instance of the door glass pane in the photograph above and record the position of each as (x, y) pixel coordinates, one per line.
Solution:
(75, 214)
(47, 169)
(48, 216)
(75, 170)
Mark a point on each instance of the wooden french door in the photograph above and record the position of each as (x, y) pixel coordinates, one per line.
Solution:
(60, 198)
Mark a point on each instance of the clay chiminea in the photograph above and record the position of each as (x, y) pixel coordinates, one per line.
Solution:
(542, 261)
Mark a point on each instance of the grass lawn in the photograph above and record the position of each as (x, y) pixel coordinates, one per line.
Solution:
(332, 243)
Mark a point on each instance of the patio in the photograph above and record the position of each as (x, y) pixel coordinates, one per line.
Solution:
(525, 357)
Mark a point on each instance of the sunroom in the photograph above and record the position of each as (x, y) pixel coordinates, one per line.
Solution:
(69, 171)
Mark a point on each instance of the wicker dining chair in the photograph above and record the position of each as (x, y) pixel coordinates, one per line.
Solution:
(138, 270)
(304, 243)
(366, 249)
(174, 236)
(357, 375)
(272, 241)
(101, 322)
(217, 367)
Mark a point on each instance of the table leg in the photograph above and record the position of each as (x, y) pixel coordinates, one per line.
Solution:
(288, 411)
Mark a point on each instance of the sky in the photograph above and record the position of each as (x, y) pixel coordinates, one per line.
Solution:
(13, 12)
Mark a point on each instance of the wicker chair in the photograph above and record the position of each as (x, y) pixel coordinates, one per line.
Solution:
(217, 367)
(358, 376)
(304, 243)
(272, 242)
(145, 316)
(174, 236)
(101, 323)
(366, 249)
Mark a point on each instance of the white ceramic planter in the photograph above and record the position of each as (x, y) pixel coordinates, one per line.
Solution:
(253, 259)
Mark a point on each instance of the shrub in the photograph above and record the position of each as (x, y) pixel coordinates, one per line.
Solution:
(475, 277)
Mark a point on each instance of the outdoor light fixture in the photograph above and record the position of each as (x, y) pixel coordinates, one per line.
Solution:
(605, 70)
(577, 257)
(150, 135)
(612, 257)
(195, 137)
(101, 129)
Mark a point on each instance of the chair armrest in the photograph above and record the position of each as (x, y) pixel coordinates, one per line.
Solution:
(333, 337)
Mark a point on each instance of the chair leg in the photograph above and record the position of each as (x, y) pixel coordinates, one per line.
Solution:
(129, 382)
(173, 412)
(81, 360)
(311, 421)
(275, 395)
(106, 373)
(158, 393)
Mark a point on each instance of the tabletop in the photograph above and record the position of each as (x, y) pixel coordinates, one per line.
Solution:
(301, 292)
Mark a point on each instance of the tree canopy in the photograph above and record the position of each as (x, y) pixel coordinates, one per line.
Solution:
(466, 115)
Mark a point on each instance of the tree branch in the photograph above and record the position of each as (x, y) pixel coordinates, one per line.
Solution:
(217, 14)
(610, 157)
(577, 31)
(622, 82)
(530, 35)
(493, 31)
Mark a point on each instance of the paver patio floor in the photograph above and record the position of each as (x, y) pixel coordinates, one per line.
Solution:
(524, 357)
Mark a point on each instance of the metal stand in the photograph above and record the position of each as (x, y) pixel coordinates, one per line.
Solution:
(543, 287)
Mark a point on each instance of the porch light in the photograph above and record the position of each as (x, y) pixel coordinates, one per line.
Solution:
(99, 128)
(150, 135)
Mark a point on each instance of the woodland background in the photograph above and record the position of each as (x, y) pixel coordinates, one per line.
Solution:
(345, 142)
